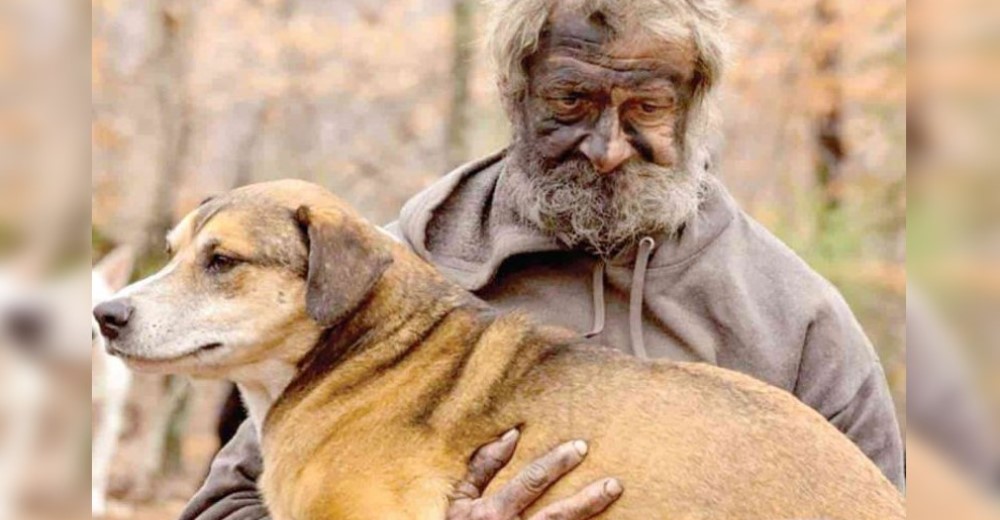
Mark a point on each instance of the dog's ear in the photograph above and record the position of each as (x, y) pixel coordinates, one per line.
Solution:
(346, 260)
(116, 267)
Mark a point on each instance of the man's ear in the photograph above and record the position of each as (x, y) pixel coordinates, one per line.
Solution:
(116, 267)
(346, 260)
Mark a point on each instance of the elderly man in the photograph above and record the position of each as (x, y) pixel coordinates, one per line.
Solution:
(603, 216)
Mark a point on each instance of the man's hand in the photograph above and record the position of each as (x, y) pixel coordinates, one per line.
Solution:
(524, 489)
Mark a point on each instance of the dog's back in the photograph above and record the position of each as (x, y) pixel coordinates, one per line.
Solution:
(372, 380)
(687, 440)
(695, 441)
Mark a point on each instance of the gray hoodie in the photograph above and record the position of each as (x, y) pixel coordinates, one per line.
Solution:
(722, 290)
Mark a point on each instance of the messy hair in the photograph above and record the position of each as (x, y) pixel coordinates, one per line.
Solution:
(516, 27)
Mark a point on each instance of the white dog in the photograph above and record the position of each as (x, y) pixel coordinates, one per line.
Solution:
(111, 379)
(43, 370)
(22, 389)
(42, 359)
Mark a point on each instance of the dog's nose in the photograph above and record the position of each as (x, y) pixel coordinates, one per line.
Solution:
(26, 325)
(112, 316)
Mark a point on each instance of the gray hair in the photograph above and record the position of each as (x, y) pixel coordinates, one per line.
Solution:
(516, 26)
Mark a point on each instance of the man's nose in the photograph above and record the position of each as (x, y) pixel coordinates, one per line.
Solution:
(607, 147)
(112, 316)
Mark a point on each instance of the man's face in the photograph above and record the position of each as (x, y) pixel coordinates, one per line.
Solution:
(599, 137)
(610, 101)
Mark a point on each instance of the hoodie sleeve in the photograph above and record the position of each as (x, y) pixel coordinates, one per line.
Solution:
(841, 377)
(230, 489)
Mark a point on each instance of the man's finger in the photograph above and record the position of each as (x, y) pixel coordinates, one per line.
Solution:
(588, 503)
(485, 463)
(533, 480)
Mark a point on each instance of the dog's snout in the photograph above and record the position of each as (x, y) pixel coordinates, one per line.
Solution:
(113, 316)
(26, 325)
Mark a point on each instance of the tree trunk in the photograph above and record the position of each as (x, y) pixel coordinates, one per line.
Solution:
(829, 119)
(457, 139)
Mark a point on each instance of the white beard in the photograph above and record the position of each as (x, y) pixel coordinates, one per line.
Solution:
(605, 214)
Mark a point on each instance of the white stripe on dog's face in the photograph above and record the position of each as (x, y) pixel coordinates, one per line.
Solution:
(233, 290)
(137, 287)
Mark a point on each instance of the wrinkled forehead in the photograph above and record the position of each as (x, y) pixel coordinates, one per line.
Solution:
(615, 43)
(254, 229)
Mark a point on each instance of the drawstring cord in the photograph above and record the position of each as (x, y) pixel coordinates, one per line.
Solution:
(597, 287)
(635, 298)
(646, 247)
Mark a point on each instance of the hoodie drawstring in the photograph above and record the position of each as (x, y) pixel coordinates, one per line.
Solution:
(598, 292)
(646, 247)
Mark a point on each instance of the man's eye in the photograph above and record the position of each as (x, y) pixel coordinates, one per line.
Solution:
(650, 112)
(220, 263)
(569, 102)
(651, 109)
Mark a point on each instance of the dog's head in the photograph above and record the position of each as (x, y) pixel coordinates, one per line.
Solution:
(256, 274)
(41, 318)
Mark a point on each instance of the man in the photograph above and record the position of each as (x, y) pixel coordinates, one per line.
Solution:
(603, 217)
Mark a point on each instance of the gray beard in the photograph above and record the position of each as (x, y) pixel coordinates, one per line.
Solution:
(604, 214)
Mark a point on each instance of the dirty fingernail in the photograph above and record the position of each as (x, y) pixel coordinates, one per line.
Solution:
(612, 487)
(580, 447)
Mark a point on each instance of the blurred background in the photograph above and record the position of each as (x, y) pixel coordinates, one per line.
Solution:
(375, 99)
(44, 259)
(953, 260)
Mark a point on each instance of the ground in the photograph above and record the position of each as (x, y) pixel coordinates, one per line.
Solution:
(165, 498)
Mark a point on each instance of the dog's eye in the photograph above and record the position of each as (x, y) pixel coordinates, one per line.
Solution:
(220, 263)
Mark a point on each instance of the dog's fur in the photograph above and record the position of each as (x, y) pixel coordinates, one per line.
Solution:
(372, 380)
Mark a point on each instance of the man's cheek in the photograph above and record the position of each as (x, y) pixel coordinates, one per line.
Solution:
(555, 141)
(658, 147)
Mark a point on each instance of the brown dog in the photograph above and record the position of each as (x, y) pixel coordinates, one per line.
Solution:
(348, 348)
